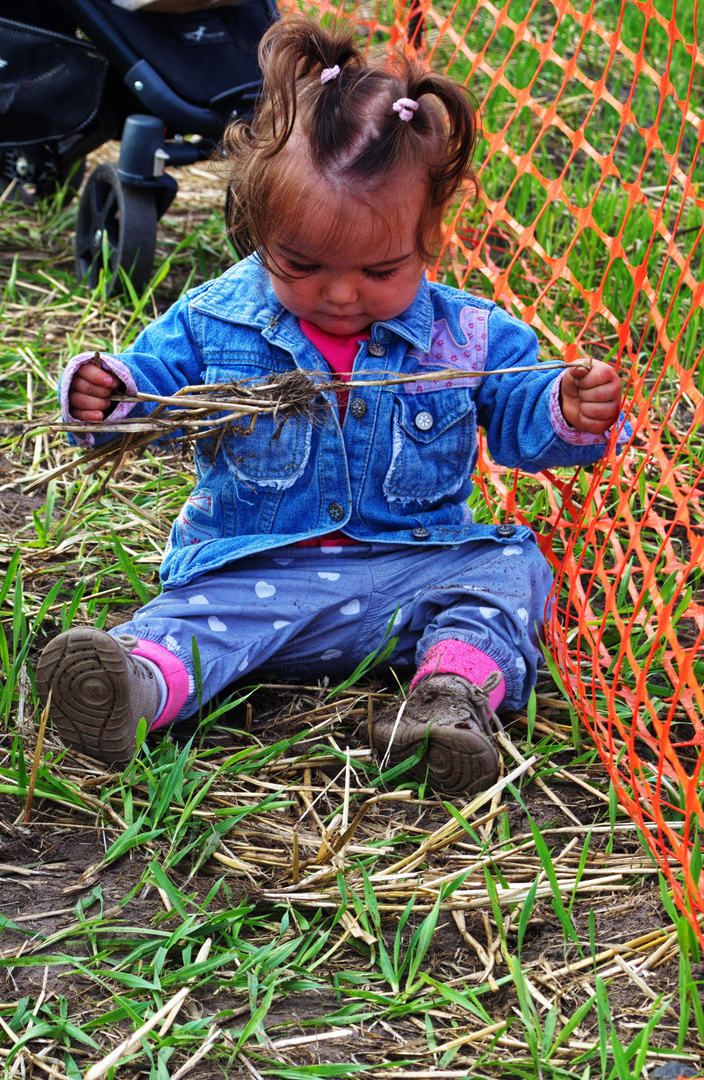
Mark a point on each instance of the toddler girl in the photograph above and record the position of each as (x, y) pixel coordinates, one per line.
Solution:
(301, 543)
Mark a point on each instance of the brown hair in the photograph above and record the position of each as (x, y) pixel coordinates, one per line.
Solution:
(350, 132)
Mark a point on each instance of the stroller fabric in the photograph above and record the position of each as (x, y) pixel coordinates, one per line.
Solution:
(172, 7)
(201, 55)
(50, 85)
(38, 13)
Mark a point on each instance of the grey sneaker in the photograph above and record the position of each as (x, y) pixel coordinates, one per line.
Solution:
(461, 758)
(99, 692)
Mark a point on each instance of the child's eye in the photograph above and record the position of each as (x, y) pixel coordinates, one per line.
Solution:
(381, 275)
(300, 268)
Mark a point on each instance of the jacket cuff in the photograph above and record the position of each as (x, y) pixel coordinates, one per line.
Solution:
(560, 426)
(113, 365)
(574, 437)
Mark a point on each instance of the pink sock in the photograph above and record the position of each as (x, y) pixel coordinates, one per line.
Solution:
(175, 676)
(453, 657)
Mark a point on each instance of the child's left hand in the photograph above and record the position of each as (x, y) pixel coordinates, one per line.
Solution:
(591, 399)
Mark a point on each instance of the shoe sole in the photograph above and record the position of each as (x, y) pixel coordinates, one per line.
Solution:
(459, 760)
(88, 676)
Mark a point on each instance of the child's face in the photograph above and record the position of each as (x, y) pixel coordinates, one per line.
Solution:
(370, 274)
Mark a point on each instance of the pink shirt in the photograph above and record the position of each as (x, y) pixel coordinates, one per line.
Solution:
(339, 351)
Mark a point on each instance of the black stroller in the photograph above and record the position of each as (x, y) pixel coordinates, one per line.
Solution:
(75, 73)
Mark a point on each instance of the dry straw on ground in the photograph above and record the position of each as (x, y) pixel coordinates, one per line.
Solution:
(331, 819)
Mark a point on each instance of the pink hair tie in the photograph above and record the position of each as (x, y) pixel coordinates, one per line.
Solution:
(405, 107)
(329, 73)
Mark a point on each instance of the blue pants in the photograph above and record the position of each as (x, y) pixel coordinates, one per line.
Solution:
(311, 612)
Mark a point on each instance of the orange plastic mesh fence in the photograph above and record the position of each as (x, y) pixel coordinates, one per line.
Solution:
(590, 229)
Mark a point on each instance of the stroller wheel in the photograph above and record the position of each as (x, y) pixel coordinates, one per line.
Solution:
(116, 228)
(36, 173)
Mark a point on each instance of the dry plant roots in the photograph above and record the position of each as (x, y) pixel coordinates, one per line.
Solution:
(212, 412)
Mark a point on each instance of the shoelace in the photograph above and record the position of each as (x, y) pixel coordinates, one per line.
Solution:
(479, 697)
(127, 641)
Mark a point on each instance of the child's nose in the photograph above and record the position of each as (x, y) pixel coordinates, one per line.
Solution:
(340, 289)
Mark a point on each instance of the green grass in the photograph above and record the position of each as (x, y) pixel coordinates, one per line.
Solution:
(586, 186)
(403, 933)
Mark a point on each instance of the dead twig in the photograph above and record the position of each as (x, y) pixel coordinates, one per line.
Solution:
(205, 412)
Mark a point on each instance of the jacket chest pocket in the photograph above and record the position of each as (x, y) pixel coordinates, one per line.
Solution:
(275, 452)
(433, 446)
(273, 455)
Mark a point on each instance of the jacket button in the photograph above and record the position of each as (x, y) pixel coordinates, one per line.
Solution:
(358, 408)
(420, 532)
(376, 348)
(336, 512)
(505, 530)
(424, 421)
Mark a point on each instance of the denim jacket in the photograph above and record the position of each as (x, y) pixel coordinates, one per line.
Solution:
(399, 467)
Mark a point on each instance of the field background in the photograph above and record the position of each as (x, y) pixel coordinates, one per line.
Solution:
(309, 916)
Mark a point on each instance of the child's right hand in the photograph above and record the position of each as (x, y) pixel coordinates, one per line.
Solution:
(90, 390)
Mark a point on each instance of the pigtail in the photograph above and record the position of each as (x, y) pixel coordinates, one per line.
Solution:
(292, 55)
(437, 127)
(454, 165)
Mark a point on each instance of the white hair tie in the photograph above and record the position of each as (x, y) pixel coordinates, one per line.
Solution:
(405, 107)
(329, 73)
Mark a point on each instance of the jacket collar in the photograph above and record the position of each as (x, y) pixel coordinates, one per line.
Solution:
(243, 295)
